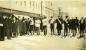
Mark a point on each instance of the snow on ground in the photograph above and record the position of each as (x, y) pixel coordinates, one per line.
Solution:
(42, 43)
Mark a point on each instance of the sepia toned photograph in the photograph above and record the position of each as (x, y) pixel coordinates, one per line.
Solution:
(42, 24)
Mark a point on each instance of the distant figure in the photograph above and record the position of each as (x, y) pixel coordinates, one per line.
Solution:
(82, 27)
(66, 25)
(14, 27)
(23, 27)
(59, 26)
(51, 21)
(27, 25)
(41, 24)
(45, 25)
(73, 27)
(76, 25)
(2, 35)
(70, 25)
(31, 27)
(37, 25)
(9, 28)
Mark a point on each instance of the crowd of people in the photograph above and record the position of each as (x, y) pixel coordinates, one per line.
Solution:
(71, 26)
(12, 27)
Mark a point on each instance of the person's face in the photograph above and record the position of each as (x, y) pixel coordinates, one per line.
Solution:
(22, 17)
(14, 19)
(81, 17)
(9, 17)
(76, 17)
(4, 17)
(28, 18)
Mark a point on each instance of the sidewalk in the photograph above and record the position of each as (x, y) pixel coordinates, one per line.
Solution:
(42, 43)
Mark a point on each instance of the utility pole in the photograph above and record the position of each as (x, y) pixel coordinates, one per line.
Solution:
(59, 12)
(41, 7)
(11, 11)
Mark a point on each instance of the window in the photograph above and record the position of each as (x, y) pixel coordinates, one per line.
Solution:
(36, 5)
(16, 2)
(21, 3)
(25, 3)
(51, 3)
(33, 4)
(30, 3)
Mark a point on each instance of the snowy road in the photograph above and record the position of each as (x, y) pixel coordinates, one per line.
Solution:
(42, 43)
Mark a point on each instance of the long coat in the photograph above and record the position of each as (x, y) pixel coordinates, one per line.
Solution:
(15, 26)
(66, 24)
(82, 24)
(1, 29)
(59, 24)
(9, 27)
(23, 27)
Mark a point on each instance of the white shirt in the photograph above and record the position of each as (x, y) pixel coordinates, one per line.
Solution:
(1, 24)
(32, 22)
(52, 20)
(45, 21)
(37, 23)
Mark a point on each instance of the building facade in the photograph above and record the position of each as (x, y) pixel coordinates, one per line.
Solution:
(32, 7)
